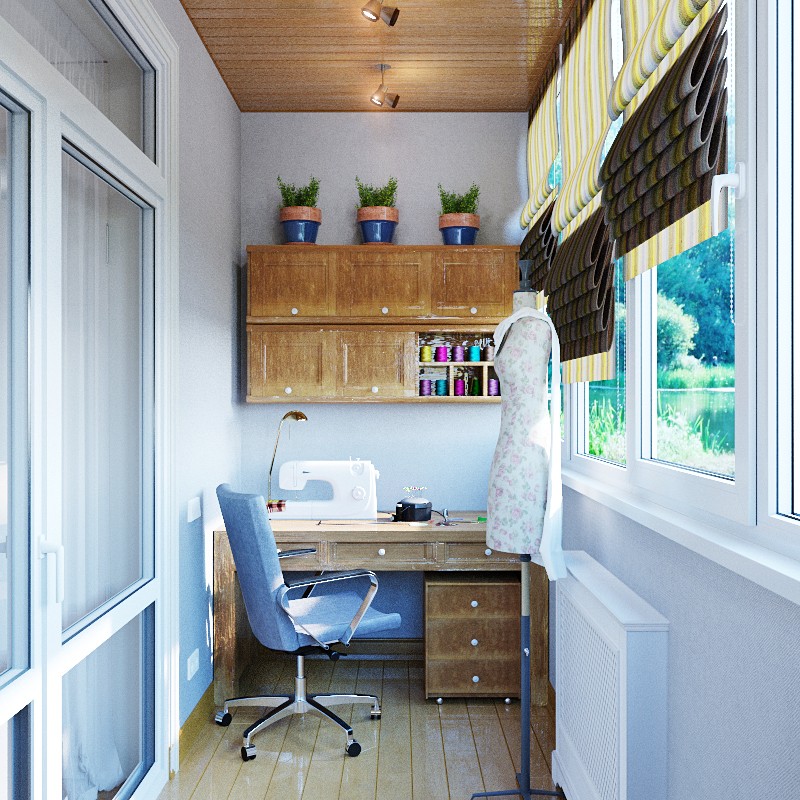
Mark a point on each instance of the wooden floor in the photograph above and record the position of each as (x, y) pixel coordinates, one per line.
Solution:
(418, 750)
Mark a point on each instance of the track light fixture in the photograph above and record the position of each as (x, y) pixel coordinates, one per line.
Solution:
(375, 9)
(382, 96)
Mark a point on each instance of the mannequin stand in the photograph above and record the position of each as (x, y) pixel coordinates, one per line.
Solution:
(524, 777)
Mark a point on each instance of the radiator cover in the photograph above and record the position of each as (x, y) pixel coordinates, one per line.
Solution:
(611, 673)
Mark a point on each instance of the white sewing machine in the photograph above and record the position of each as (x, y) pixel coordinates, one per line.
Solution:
(354, 489)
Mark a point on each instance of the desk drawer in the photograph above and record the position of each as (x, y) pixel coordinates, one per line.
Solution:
(471, 601)
(374, 555)
(476, 553)
(300, 562)
(480, 677)
(472, 639)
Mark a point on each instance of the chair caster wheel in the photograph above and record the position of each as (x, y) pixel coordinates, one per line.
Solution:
(508, 701)
(249, 752)
(375, 714)
(223, 718)
(439, 700)
(352, 749)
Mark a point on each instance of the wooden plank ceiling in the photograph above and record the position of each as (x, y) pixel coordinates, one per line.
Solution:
(323, 55)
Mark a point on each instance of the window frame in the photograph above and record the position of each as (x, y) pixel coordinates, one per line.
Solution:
(740, 524)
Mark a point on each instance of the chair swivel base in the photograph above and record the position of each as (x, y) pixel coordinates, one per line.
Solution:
(299, 703)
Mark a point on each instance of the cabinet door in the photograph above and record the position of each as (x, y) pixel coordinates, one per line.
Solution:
(376, 364)
(286, 363)
(379, 283)
(291, 281)
(474, 282)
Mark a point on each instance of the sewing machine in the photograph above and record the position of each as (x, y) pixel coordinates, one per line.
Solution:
(353, 483)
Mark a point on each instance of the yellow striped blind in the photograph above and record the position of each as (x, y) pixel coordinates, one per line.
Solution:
(585, 86)
(542, 148)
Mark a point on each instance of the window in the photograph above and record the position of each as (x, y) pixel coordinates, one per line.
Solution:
(85, 42)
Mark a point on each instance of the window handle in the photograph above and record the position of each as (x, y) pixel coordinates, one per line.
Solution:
(730, 180)
(46, 548)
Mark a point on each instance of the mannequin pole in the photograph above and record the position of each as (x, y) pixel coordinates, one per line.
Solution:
(524, 777)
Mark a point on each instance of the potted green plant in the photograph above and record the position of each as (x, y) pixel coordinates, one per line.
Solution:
(376, 212)
(300, 218)
(459, 221)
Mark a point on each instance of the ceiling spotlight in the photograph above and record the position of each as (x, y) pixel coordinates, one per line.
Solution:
(374, 9)
(382, 96)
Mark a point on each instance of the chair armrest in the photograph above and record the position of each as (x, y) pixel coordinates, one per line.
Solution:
(303, 551)
(332, 577)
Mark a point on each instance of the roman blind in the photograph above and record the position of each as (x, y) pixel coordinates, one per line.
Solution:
(658, 173)
(580, 284)
(542, 145)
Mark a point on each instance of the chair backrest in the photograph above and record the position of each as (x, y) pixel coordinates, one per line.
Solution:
(256, 557)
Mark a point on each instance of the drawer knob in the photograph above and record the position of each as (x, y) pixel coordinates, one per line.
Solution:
(473, 310)
(487, 551)
(474, 603)
(288, 390)
(382, 551)
(474, 642)
(475, 678)
(374, 390)
(295, 312)
(384, 310)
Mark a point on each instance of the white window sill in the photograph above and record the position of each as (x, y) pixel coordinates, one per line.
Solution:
(742, 549)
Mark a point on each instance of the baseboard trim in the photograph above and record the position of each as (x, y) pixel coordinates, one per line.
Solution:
(196, 721)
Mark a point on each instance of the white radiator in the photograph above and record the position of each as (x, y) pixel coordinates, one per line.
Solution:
(611, 692)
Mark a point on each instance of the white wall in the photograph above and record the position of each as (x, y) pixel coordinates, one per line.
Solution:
(209, 427)
(734, 706)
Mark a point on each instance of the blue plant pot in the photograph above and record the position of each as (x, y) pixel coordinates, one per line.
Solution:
(459, 235)
(300, 231)
(377, 231)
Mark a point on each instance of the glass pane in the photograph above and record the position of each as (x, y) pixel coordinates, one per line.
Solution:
(14, 540)
(695, 379)
(108, 734)
(15, 757)
(606, 431)
(88, 46)
(108, 498)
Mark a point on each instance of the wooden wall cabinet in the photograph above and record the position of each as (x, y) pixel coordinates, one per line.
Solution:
(337, 323)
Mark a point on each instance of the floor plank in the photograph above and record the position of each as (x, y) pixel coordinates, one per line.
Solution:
(418, 750)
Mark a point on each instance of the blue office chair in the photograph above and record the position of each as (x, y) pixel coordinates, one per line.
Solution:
(302, 625)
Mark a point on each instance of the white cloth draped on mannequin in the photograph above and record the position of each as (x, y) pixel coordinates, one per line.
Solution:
(524, 502)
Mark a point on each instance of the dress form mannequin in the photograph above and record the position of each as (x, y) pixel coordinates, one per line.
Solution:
(524, 501)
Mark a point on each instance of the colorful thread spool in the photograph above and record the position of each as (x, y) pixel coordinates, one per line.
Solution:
(494, 387)
(441, 387)
(475, 353)
(458, 353)
(441, 353)
(488, 352)
(425, 388)
(426, 353)
(475, 387)
(458, 387)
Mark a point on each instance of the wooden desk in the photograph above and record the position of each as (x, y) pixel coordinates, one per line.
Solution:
(344, 544)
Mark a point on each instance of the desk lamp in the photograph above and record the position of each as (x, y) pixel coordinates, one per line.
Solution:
(298, 416)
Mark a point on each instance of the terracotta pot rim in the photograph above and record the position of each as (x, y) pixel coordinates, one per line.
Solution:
(386, 213)
(459, 221)
(308, 213)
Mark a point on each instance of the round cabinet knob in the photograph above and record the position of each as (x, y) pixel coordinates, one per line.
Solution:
(295, 312)
(384, 310)
(487, 552)
(474, 603)
(382, 551)
(288, 390)
(473, 310)
(474, 642)
(374, 390)
(475, 678)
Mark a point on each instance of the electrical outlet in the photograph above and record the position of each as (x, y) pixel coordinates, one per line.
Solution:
(193, 509)
(192, 664)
